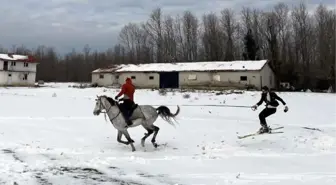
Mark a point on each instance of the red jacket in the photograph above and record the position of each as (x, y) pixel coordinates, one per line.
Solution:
(127, 90)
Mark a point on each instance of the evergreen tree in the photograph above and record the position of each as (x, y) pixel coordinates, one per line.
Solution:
(251, 48)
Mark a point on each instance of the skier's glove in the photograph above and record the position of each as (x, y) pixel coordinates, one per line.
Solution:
(254, 107)
(286, 109)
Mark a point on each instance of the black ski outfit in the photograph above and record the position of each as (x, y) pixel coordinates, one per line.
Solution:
(271, 99)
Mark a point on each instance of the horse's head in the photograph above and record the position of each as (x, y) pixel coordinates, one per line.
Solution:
(101, 104)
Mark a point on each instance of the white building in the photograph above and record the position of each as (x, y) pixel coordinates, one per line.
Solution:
(17, 70)
(216, 75)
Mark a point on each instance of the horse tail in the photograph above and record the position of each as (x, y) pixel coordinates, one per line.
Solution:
(166, 114)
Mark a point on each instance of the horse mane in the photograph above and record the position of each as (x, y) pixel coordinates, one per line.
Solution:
(111, 100)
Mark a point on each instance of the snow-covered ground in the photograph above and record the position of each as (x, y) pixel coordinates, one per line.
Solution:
(48, 139)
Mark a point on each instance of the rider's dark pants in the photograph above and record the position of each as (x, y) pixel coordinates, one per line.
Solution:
(264, 114)
(128, 104)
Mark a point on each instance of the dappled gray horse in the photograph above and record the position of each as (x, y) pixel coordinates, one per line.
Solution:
(144, 115)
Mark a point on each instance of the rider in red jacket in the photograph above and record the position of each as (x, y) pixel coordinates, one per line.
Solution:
(127, 90)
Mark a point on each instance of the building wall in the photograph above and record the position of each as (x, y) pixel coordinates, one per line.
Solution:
(17, 78)
(240, 79)
(143, 80)
(219, 79)
(18, 73)
(19, 66)
(268, 77)
(104, 79)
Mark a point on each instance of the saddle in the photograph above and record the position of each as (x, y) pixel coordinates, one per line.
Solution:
(134, 106)
(127, 113)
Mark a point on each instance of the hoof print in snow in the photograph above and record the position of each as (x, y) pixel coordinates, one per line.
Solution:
(91, 174)
(49, 157)
(81, 170)
(162, 178)
(142, 174)
(42, 180)
(13, 154)
(7, 151)
(83, 173)
(113, 167)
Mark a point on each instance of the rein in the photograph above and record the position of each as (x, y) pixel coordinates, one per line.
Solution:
(107, 110)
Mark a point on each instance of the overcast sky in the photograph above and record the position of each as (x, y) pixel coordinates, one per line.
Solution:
(66, 24)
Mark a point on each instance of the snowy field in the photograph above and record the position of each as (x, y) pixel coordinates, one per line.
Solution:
(57, 140)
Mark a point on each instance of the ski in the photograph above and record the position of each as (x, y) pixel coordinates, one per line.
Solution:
(276, 128)
(257, 133)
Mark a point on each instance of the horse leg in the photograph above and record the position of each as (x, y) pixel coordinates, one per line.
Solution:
(130, 141)
(156, 131)
(119, 138)
(149, 132)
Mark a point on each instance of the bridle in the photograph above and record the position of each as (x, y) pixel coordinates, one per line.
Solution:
(101, 106)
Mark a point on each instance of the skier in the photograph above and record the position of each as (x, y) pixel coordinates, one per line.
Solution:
(127, 90)
(270, 98)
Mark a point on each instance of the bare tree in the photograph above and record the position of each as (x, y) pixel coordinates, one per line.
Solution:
(229, 25)
(270, 33)
(325, 48)
(155, 28)
(170, 46)
(178, 30)
(130, 38)
(212, 38)
(190, 33)
(304, 40)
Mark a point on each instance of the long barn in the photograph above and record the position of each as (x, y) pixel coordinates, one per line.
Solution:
(217, 74)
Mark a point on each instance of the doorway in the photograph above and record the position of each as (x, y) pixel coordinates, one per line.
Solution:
(9, 79)
(169, 80)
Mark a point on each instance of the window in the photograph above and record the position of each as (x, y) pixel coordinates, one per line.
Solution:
(25, 64)
(9, 75)
(101, 76)
(243, 78)
(192, 77)
(13, 63)
(133, 77)
(117, 77)
(216, 78)
(151, 77)
(25, 77)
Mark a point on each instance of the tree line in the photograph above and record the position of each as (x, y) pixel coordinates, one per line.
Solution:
(299, 44)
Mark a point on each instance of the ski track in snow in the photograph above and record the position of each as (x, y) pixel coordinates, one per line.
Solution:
(61, 143)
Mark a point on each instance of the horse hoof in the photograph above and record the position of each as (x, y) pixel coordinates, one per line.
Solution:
(155, 145)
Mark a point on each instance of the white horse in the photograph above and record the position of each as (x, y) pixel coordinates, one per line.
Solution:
(144, 115)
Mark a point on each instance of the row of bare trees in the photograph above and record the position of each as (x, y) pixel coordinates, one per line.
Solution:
(300, 44)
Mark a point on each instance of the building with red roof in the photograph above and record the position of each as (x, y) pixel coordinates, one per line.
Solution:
(17, 70)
